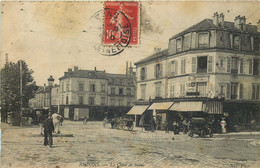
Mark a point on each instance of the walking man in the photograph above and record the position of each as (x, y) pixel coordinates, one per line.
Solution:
(48, 130)
(56, 120)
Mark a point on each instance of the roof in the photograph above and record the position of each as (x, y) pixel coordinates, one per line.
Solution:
(207, 24)
(85, 74)
(154, 56)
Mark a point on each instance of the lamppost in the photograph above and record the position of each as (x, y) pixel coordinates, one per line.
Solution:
(50, 84)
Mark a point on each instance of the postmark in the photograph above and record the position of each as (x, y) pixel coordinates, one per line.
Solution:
(115, 28)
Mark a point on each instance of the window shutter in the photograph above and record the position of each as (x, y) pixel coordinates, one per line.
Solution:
(155, 70)
(241, 66)
(176, 67)
(161, 70)
(250, 66)
(228, 65)
(184, 66)
(257, 91)
(241, 87)
(228, 91)
(145, 76)
(194, 64)
(210, 64)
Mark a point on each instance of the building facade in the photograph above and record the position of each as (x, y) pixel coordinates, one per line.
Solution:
(215, 59)
(90, 93)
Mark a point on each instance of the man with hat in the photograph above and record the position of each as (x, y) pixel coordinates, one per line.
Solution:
(48, 130)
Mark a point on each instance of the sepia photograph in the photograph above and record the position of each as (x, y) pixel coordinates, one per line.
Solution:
(134, 83)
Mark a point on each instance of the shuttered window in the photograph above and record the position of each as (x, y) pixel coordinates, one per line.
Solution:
(241, 91)
(250, 66)
(172, 88)
(241, 66)
(183, 66)
(228, 65)
(228, 91)
(176, 67)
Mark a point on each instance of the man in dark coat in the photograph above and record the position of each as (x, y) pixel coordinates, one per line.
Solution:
(48, 130)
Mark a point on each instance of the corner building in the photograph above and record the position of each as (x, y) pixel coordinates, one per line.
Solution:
(213, 59)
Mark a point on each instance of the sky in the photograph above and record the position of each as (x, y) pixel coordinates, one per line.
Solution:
(54, 36)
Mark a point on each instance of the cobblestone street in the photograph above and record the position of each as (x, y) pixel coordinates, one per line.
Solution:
(95, 146)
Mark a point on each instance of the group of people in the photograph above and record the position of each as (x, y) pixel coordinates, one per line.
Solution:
(48, 125)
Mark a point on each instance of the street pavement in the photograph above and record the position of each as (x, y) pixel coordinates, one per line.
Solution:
(92, 145)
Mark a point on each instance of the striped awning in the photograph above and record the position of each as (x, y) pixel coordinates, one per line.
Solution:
(160, 106)
(137, 110)
(189, 106)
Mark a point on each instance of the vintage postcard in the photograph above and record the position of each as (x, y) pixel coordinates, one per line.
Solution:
(120, 84)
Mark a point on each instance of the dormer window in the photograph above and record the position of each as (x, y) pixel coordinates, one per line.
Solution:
(179, 45)
(236, 44)
(203, 39)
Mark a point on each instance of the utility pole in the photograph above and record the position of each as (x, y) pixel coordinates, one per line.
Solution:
(21, 93)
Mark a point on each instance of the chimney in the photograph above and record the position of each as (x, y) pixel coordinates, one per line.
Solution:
(237, 22)
(258, 25)
(69, 70)
(95, 68)
(215, 19)
(243, 23)
(221, 20)
(65, 73)
(156, 50)
(76, 68)
(44, 86)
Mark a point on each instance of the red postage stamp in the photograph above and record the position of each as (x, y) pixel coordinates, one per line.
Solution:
(121, 24)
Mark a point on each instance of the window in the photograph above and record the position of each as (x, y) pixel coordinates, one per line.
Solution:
(228, 91)
(236, 44)
(81, 87)
(112, 91)
(241, 91)
(80, 99)
(92, 88)
(128, 91)
(91, 101)
(178, 45)
(121, 91)
(203, 40)
(256, 67)
(202, 88)
(255, 91)
(194, 64)
(172, 88)
(158, 70)
(241, 66)
(228, 65)
(183, 66)
(128, 102)
(143, 73)
(120, 102)
(202, 64)
(234, 66)
(113, 102)
(158, 90)
(143, 92)
(234, 89)
(67, 100)
(103, 101)
(182, 90)
(62, 99)
(103, 88)
(250, 66)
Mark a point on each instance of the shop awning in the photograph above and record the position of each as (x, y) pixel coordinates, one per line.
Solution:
(137, 110)
(160, 106)
(188, 106)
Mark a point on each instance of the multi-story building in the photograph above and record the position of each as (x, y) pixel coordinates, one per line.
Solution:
(212, 59)
(90, 93)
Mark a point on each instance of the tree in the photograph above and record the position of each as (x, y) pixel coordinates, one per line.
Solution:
(10, 87)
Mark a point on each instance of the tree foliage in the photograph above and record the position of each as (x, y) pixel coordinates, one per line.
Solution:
(10, 86)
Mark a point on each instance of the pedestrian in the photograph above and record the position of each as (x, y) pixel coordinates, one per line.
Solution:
(56, 121)
(41, 119)
(223, 125)
(85, 120)
(48, 130)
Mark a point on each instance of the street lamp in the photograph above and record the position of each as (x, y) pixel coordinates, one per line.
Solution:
(50, 84)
